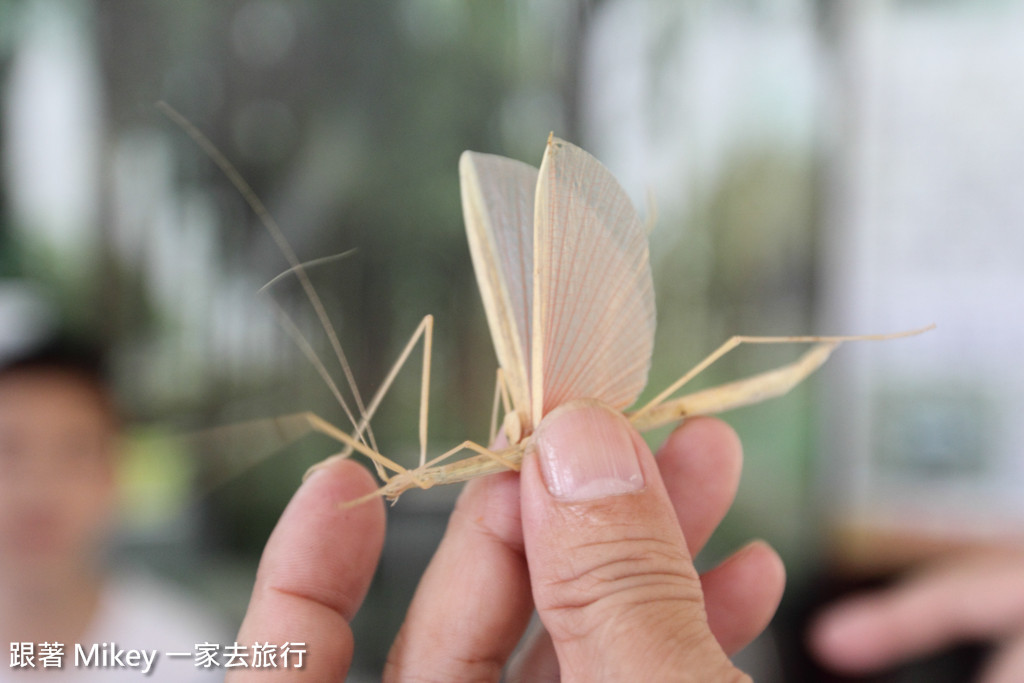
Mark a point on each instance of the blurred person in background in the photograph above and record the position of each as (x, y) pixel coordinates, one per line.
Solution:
(59, 441)
(967, 597)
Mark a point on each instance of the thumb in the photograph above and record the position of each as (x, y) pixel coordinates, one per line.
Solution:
(612, 579)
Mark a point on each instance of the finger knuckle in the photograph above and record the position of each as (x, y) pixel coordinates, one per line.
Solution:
(611, 581)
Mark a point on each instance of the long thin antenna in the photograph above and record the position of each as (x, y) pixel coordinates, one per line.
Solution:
(305, 266)
(277, 234)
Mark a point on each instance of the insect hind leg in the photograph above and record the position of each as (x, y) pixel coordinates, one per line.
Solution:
(734, 342)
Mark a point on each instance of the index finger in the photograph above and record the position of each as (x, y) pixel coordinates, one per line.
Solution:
(315, 572)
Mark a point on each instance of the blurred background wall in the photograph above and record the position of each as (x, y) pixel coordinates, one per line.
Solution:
(832, 166)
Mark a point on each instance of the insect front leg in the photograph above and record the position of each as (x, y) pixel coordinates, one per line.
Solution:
(318, 424)
(425, 330)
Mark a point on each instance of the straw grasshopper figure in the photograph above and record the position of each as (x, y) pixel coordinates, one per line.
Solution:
(562, 263)
(561, 259)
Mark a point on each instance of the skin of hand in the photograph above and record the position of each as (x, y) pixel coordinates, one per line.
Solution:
(595, 534)
(974, 596)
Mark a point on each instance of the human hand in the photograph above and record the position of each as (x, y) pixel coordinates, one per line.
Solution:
(966, 598)
(611, 574)
(314, 573)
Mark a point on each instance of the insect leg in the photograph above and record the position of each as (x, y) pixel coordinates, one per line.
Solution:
(500, 393)
(318, 424)
(494, 408)
(736, 394)
(511, 464)
(431, 473)
(733, 342)
(426, 330)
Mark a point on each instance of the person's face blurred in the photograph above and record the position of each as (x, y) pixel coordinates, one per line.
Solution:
(56, 471)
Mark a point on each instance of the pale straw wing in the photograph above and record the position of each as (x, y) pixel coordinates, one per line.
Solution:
(593, 306)
(498, 206)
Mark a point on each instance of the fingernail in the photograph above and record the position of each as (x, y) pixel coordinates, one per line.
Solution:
(586, 452)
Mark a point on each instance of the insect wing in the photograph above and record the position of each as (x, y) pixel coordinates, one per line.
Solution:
(498, 207)
(593, 297)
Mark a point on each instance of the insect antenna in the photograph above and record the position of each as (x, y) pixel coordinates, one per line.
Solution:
(305, 266)
(296, 266)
